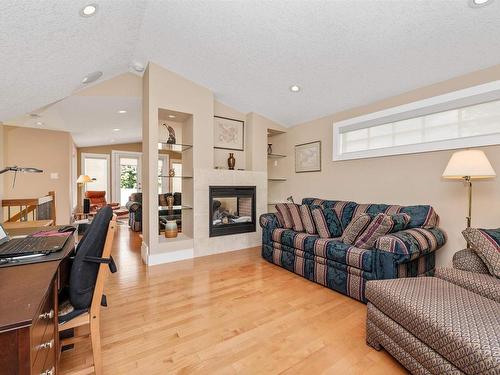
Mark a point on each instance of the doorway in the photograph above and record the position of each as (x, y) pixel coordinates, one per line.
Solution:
(127, 175)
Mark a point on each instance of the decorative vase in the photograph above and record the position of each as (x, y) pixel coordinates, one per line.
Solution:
(171, 229)
(231, 161)
(269, 148)
(170, 201)
(171, 172)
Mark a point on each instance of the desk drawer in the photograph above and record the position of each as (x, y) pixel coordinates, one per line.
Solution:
(43, 328)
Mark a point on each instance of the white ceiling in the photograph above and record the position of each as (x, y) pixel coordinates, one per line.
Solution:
(342, 53)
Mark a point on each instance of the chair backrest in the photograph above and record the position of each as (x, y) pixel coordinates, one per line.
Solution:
(103, 271)
(83, 274)
(96, 197)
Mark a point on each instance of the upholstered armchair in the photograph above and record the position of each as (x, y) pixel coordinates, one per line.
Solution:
(98, 200)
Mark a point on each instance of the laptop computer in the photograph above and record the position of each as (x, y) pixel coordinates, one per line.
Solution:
(15, 247)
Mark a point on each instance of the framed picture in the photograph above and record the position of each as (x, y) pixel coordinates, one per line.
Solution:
(308, 157)
(229, 134)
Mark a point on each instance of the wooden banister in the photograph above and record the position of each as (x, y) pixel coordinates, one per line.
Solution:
(44, 208)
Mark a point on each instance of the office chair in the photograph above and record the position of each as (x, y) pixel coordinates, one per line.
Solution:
(89, 270)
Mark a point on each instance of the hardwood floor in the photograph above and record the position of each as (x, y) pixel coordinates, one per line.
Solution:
(226, 314)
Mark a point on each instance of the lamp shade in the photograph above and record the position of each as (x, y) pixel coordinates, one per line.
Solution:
(469, 163)
(83, 179)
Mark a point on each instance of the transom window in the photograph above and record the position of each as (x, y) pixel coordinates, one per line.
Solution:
(466, 126)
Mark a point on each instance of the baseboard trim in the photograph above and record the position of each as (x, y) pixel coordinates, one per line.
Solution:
(144, 252)
(169, 257)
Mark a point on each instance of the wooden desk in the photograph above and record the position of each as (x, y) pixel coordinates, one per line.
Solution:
(28, 315)
(27, 224)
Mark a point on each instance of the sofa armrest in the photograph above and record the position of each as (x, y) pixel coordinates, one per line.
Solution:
(468, 260)
(485, 285)
(133, 206)
(410, 244)
(269, 221)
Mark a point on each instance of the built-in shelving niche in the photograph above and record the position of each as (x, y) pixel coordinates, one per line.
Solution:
(277, 168)
(179, 152)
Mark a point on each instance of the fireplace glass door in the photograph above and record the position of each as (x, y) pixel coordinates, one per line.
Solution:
(232, 210)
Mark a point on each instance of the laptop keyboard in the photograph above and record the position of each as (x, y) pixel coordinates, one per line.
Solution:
(31, 245)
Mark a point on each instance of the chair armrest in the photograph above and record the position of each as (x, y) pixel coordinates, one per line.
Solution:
(269, 221)
(468, 260)
(485, 285)
(412, 243)
(133, 206)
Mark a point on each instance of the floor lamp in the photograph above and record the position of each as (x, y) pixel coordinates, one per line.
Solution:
(469, 165)
(81, 181)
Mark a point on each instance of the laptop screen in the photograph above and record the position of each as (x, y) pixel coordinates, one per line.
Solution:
(3, 236)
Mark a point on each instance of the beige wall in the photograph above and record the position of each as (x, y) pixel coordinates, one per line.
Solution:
(2, 165)
(406, 179)
(45, 149)
(220, 156)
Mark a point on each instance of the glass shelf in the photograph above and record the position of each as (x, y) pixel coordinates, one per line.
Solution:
(167, 176)
(277, 179)
(177, 147)
(183, 207)
(275, 156)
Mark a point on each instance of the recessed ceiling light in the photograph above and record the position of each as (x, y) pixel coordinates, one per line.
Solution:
(479, 3)
(294, 88)
(171, 116)
(92, 77)
(88, 10)
(39, 123)
(111, 140)
(116, 130)
(138, 67)
(122, 111)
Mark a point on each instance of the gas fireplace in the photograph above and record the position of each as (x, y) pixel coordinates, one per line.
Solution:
(232, 210)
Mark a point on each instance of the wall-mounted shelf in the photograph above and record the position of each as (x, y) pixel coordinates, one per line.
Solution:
(183, 207)
(277, 179)
(167, 176)
(177, 147)
(275, 156)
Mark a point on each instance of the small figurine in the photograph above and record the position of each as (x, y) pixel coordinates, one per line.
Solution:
(171, 134)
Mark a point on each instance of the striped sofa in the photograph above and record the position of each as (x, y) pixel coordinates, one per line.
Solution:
(345, 268)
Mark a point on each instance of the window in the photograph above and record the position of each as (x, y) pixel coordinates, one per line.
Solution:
(177, 182)
(163, 174)
(433, 124)
(96, 166)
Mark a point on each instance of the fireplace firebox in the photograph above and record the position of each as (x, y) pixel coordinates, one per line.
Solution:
(232, 210)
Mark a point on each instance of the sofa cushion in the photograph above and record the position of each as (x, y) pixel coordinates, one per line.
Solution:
(307, 219)
(380, 225)
(486, 243)
(291, 216)
(326, 221)
(461, 326)
(486, 285)
(326, 248)
(343, 209)
(355, 228)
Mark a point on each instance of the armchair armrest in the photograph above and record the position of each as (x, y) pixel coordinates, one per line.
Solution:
(269, 221)
(410, 244)
(468, 260)
(133, 206)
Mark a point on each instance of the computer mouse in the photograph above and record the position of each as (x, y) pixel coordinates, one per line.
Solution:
(67, 228)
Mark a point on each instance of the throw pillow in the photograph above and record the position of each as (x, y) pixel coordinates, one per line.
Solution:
(381, 225)
(307, 219)
(486, 243)
(291, 216)
(281, 221)
(327, 222)
(400, 222)
(355, 228)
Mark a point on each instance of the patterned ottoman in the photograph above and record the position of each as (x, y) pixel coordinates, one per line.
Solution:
(432, 326)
